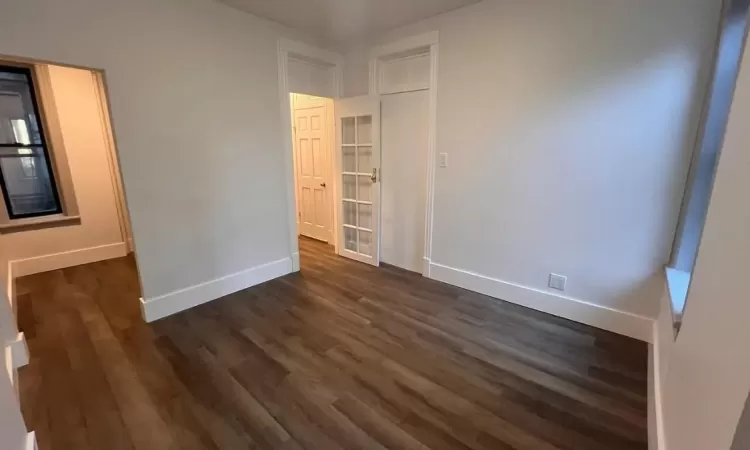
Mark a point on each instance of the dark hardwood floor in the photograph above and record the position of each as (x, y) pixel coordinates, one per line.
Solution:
(339, 356)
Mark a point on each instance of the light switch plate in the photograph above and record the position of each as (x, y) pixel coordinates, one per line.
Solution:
(443, 160)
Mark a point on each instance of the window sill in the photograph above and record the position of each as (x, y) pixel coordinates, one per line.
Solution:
(38, 223)
(678, 283)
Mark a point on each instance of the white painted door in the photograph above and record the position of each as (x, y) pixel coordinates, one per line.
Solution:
(405, 135)
(312, 165)
(358, 146)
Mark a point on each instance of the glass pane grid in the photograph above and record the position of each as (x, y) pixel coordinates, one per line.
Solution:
(356, 173)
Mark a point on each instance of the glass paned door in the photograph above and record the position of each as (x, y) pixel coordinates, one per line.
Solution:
(358, 121)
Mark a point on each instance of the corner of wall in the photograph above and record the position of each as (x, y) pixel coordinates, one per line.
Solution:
(658, 364)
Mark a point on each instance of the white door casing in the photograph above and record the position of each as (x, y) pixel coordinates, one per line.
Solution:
(312, 165)
(288, 50)
(358, 149)
(415, 45)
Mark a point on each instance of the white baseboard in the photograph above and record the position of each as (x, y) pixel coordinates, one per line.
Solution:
(295, 262)
(426, 267)
(621, 322)
(31, 441)
(656, 432)
(54, 261)
(174, 302)
(19, 351)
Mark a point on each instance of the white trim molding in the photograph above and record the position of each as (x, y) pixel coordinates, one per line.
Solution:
(11, 288)
(656, 433)
(19, 351)
(407, 44)
(287, 48)
(54, 261)
(419, 43)
(31, 441)
(616, 321)
(295, 262)
(165, 305)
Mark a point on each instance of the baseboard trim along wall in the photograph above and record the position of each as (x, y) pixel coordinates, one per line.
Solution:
(31, 441)
(295, 262)
(656, 436)
(19, 351)
(621, 322)
(11, 292)
(180, 300)
(54, 261)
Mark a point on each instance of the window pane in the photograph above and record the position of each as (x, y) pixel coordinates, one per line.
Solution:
(350, 213)
(365, 243)
(350, 239)
(350, 187)
(27, 182)
(364, 159)
(347, 130)
(364, 130)
(350, 163)
(365, 184)
(365, 216)
(18, 118)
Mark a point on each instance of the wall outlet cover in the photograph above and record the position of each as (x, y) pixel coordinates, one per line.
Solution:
(557, 282)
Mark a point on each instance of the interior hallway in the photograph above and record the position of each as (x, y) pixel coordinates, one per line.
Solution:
(341, 355)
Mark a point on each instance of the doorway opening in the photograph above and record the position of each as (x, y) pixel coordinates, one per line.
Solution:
(334, 177)
(312, 156)
(64, 222)
(403, 77)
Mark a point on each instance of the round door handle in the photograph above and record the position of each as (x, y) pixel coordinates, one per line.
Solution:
(322, 185)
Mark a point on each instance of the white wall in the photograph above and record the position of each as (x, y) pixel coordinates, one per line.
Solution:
(12, 428)
(708, 367)
(78, 111)
(195, 109)
(568, 127)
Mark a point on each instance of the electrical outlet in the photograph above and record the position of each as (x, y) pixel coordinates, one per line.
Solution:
(557, 281)
(443, 160)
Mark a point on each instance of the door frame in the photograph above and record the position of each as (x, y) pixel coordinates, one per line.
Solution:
(329, 148)
(422, 43)
(298, 50)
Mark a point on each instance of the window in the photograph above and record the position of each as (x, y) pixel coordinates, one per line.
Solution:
(26, 177)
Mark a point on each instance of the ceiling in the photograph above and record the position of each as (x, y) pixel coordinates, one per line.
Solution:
(342, 20)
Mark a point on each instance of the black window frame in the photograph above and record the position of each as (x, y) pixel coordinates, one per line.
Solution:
(43, 145)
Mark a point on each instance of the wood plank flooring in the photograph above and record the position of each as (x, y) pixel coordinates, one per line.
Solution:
(339, 356)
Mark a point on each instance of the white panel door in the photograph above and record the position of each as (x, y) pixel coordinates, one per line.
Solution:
(358, 146)
(312, 165)
(405, 135)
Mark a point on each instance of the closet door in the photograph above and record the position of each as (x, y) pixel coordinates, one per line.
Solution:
(405, 136)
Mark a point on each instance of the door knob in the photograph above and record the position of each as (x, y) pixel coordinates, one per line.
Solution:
(374, 176)
(323, 184)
